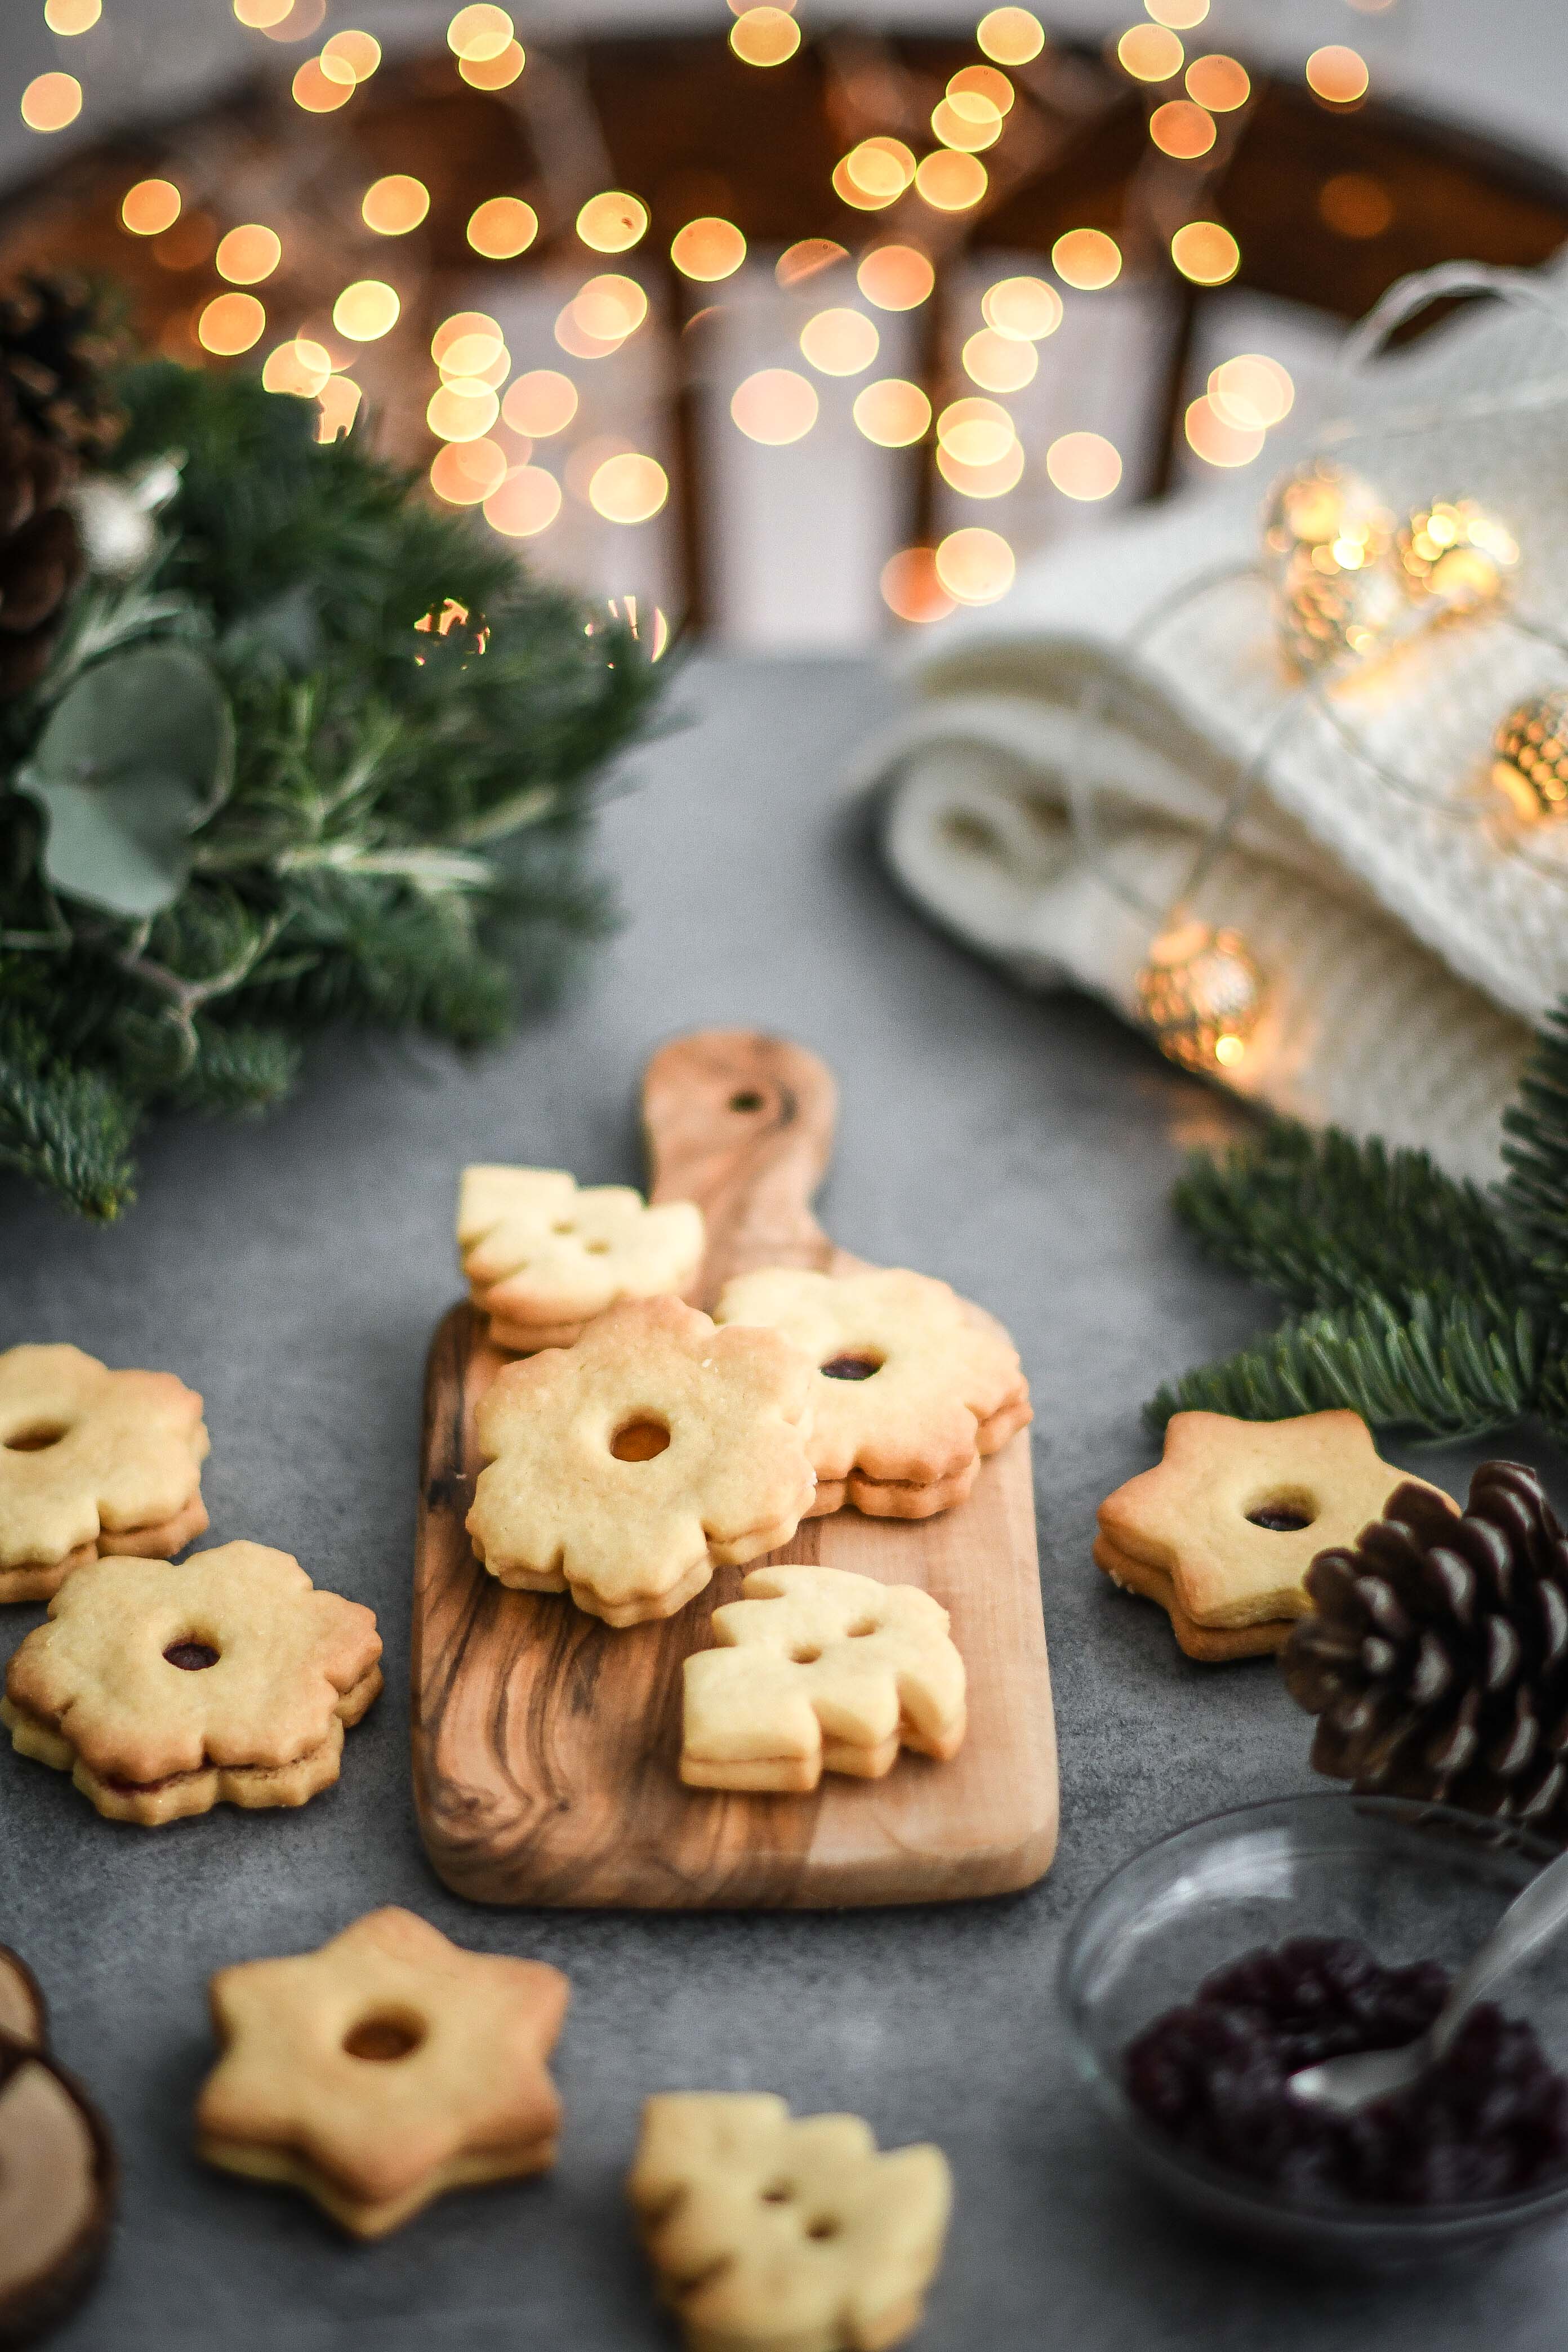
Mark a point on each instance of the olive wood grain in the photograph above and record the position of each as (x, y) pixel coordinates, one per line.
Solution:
(545, 1744)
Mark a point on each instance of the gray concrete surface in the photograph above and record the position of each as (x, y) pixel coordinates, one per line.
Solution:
(1022, 1149)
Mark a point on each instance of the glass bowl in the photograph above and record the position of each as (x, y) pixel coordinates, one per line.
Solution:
(1411, 1881)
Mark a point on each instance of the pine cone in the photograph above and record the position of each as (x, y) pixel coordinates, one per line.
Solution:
(41, 558)
(54, 350)
(1437, 1662)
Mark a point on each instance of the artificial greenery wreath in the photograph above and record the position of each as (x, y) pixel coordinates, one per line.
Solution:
(306, 751)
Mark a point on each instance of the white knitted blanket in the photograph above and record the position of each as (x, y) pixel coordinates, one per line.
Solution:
(1408, 938)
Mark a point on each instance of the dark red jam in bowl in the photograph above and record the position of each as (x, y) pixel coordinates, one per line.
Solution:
(1489, 2120)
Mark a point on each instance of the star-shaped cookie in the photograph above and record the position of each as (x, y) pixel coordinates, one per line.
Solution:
(385, 2068)
(1222, 1531)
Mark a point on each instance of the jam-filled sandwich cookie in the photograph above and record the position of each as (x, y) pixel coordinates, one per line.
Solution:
(910, 1389)
(622, 1470)
(23, 2013)
(166, 1689)
(819, 1671)
(382, 2070)
(1222, 1531)
(765, 2233)
(542, 1257)
(92, 1462)
(58, 2180)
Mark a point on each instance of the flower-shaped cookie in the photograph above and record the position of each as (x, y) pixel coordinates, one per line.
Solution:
(165, 1688)
(768, 2234)
(90, 1462)
(910, 1389)
(623, 1468)
(1222, 1531)
(817, 1671)
(384, 2069)
(542, 1257)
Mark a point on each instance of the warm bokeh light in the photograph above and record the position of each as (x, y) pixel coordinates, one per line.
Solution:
(462, 409)
(480, 32)
(395, 205)
(298, 23)
(708, 249)
(877, 172)
(1354, 204)
(351, 57)
(895, 277)
(974, 565)
(340, 398)
(999, 363)
(984, 82)
(764, 36)
(248, 254)
(989, 481)
(610, 308)
(576, 342)
(464, 473)
(50, 101)
(230, 323)
(493, 73)
(774, 406)
(892, 412)
(807, 258)
(1087, 258)
(1084, 465)
(72, 16)
(1205, 253)
(1217, 440)
(150, 207)
(528, 501)
(1251, 392)
(366, 310)
(1338, 74)
(1149, 53)
(1180, 129)
(1011, 36)
(1182, 13)
(1218, 82)
(541, 403)
(628, 489)
(1027, 310)
(452, 331)
(975, 432)
(949, 182)
(260, 16)
(502, 227)
(613, 222)
(841, 342)
(317, 92)
(300, 367)
(966, 122)
(910, 589)
(477, 353)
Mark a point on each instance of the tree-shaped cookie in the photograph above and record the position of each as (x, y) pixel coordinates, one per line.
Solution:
(912, 1387)
(769, 2235)
(817, 1671)
(92, 1461)
(543, 1255)
(622, 1469)
(166, 1688)
(382, 2070)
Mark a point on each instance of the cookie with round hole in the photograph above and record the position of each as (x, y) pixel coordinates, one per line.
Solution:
(1212, 1645)
(165, 1688)
(92, 1461)
(1237, 1511)
(772, 2234)
(624, 1469)
(817, 1670)
(24, 2012)
(913, 1388)
(59, 2177)
(543, 1255)
(382, 2070)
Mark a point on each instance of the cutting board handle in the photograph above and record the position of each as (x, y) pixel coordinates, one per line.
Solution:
(742, 1124)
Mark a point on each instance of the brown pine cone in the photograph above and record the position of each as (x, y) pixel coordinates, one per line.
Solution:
(1436, 1662)
(41, 558)
(54, 351)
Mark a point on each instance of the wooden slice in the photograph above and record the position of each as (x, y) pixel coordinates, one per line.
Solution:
(546, 1745)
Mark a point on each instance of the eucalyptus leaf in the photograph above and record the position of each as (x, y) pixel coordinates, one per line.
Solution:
(135, 755)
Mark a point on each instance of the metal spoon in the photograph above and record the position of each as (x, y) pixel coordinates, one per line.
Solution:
(1351, 2082)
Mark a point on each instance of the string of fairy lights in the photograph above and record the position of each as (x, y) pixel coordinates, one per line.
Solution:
(498, 434)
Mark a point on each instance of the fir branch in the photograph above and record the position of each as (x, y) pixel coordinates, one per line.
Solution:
(1535, 1194)
(66, 1128)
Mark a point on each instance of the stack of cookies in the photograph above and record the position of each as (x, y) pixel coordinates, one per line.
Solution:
(651, 1443)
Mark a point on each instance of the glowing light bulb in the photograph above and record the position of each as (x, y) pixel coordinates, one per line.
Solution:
(1216, 439)
(230, 323)
(612, 222)
(895, 277)
(764, 36)
(1012, 35)
(1087, 258)
(999, 363)
(462, 409)
(708, 249)
(51, 102)
(774, 406)
(1219, 83)
(395, 205)
(526, 503)
(951, 182)
(1338, 74)
(502, 227)
(300, 367)
(839, 342)
(910, 588)
(150, 207)
(975, 566)
(68, 17)
(479, 33)
(351, 57)
(317, 92)
(628, 487)
(892, 412)
(493, 73)
(541, 403)
(1149, 53)
(1205, 253)
(1025, 308)
(1084, 465)
(247, 255)
(366, 310)
(465, 473)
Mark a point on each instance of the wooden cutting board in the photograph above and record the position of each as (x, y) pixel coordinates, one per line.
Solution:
(546, 1744)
